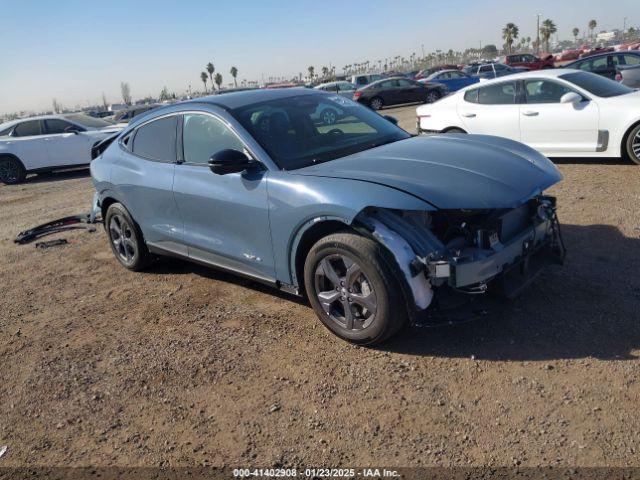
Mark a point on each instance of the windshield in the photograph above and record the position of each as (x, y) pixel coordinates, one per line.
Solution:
(87, 121)
(308, 129)
(596, 84)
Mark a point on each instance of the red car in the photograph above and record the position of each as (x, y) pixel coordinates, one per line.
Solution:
(529, 61)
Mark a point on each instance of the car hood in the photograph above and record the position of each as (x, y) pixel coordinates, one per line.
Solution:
(452, 171)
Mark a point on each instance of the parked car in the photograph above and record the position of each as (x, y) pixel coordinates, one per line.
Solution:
(605, 63)
(560, 113)
(370, 222)
(398, 90)
(453, 80)
(529, 61)
(365, 79)
(344, 89)
(492, 70)
(628, 75)
(47, 143)
(431, 70)
(126, 115)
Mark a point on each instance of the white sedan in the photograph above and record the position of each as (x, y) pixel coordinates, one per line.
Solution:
(560, 113)
(49, 142)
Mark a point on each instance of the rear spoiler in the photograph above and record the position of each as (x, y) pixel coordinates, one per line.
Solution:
(102, 145)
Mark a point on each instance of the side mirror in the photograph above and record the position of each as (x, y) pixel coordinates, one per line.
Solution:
(393, 120)
(571, 97)
(229, 161)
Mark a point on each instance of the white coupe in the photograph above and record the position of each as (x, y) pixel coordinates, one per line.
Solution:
(560, 113)
(50, 142)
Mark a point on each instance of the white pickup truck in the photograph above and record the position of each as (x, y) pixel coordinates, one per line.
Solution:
(47, 143)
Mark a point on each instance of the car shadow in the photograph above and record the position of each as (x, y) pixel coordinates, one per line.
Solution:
(589, 161)
(58, 176)
(588, 307)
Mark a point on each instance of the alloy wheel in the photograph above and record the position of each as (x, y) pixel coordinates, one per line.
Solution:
(9, 171)
(344, 292)
(329, 117)
(635, 146)
(432, 97)
(121, 235)
(376, 104)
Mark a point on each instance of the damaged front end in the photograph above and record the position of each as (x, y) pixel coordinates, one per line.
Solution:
(449, 257)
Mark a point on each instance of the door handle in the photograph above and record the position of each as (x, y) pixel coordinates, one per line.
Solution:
(469, 115)
(529, 113)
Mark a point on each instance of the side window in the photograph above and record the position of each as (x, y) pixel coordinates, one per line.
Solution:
(54, 126)
(544, 91)
(500, 94)
(486, 68)
(405, 83)
(156, 140)
(204, 135)
(6, 131)
(471, 96)
(27, 129)
(345, 87)
(631, 60)
(389, 84)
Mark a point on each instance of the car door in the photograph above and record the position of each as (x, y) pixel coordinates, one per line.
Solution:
(66, 143)
(226, 217)
(491, 110)
(144, 176)
(28, 144)
(410, 91)
(552, 127)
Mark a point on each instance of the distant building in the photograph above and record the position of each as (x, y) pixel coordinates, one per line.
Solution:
(607, 36)
(116, 107)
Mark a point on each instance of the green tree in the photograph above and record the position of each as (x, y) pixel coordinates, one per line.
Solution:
(218, 79)
(547, 29)
(234, 74)
(592, 26)
(311, 70)
(125, 90)
(510, 33)
(489, 50)
(204, 77)
(210, 69)
(325, 72)
(164, 94)
(575, 32)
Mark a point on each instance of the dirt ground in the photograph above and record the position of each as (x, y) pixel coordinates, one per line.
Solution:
(183, 366)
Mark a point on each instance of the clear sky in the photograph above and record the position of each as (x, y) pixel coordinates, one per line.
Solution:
(74, 50)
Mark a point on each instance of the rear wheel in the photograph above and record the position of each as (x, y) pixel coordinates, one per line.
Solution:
(455, 130)
(376, 103)
(631, 147)
(11, 171)
(125, 238)
(433, 96)
(351, 285)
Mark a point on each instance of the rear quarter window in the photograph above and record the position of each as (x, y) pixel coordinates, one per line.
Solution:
(471, 96)
(156, 140)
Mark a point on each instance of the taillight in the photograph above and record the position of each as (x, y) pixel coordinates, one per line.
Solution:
(618, 77)
(357, 95)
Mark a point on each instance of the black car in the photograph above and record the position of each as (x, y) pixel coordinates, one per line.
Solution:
(397, 90)
(128, 114)
(605, 63)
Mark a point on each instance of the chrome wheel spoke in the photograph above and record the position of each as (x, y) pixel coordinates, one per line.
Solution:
(367, 302)
(327, 299)
(348, 314)
(353, 274)
(330, 272)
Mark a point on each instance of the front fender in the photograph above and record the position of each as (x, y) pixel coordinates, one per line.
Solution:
(297, 203)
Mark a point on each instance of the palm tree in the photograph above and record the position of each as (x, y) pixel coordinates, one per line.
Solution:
(510, 33)
(310, 70)
(575, 33)
(210, 69)
(218, 80)
(234, 74)
(204, 77)
(592, 26)
(547, 29)
(325, 72)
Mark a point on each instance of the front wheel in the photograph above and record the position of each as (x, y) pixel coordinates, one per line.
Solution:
(631, 148)
(11, 171)
(376, 103)
(351, 285)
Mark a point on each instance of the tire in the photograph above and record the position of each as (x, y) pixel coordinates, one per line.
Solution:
(125, 238)
(455, 130)
(11, 171)
(329, 116)
(631, 147)
(345, 272)
(433, 96)
(376, 103)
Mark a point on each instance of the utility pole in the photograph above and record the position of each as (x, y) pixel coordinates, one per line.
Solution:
(624, 27)
(538, 35)
(422, 50)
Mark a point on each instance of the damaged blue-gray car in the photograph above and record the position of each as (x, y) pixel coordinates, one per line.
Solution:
(377, 228)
